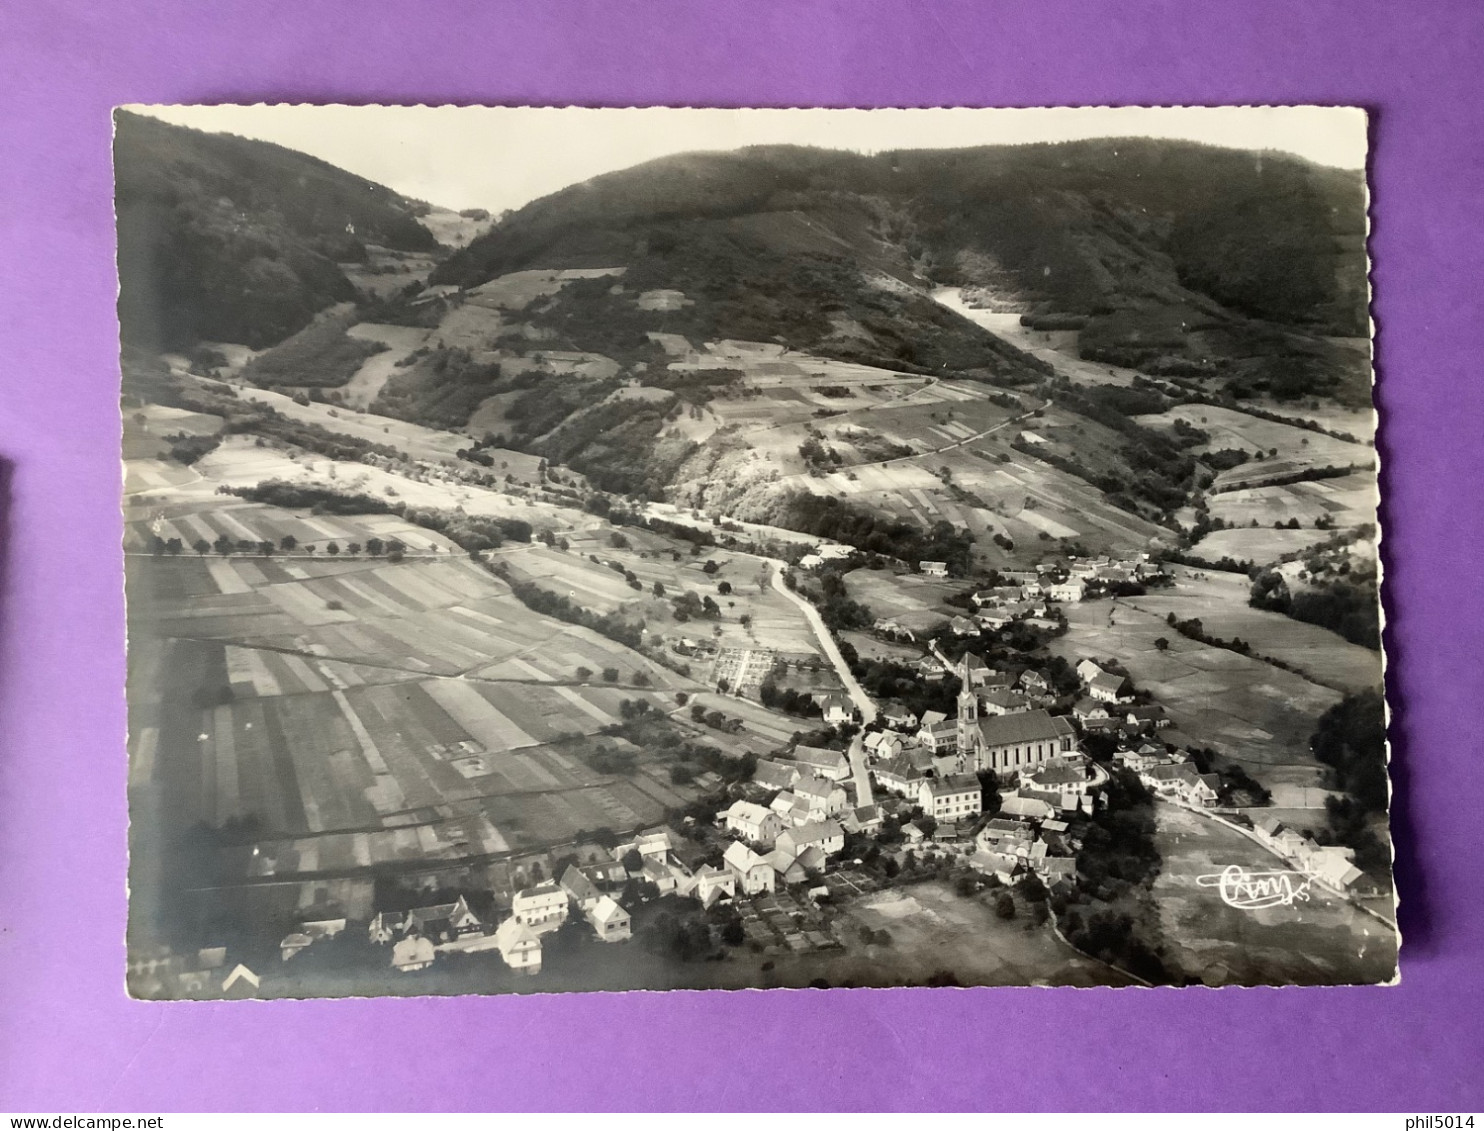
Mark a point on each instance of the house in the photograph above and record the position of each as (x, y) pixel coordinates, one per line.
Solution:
(1151, 716)
(542, 908)
(863, 819)
(663, 874)
(1109, 687)
(939, 738)
(934, 569)
(963, 626)
(1067, 591)
(322, 928)
(580, 889)
(822, 762)
(443, 922)
(932, 718)
(414, 952)
(710, 884)
(836, 709)
(1086, 708)
(811, 860)
(1033, 682)
(775, 775)
(753, 873)
(385, 926)
(1035, 808)
(609, 921)
(1088, 670)
(827, 836)
(824, 798)
(913, 832)
(882, 744)
(1003, 701)
(1183, 781)
(947, 833)
(240, 982)
(993, 618)
(519, 946)
(786, 867)
(753, 822)
(649, 843)
(1332, 864)
(605, 874)
(997, 829)
(896, 714)
(293, 944)
(791, 810)
(952, 798)
(1060, 777)
(1058, 869)
(900, 775)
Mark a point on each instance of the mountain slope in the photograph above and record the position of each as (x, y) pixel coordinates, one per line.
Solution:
(1171, 256)
(223, 238)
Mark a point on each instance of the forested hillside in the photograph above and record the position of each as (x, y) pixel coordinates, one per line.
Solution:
(223, 238)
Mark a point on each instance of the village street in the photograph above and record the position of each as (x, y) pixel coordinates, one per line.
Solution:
(827, 643)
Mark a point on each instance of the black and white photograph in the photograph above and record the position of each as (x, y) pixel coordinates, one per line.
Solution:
(640, 549)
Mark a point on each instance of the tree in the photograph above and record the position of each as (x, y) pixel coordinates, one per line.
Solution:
(1162, 644)
(201, 546)
(724, 587)
(353, 548)
(681, 698)
(659, 589)
(333, 548)
(1005, 906)
(288, 543)
(710, 566)
(374, 547)
(584, 673)
(610, 675)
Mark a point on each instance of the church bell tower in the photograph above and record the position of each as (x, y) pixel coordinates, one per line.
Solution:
(968, 719)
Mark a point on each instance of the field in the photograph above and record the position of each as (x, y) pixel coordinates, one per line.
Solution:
(350, 712)
(1297, 448)
(1220, 601)
(1260, 544)
(1323, 940)
(1259, 715)
(364, 387)
(1349, 500)
(912, 599)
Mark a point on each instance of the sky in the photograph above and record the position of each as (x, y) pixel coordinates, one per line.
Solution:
(503, 157)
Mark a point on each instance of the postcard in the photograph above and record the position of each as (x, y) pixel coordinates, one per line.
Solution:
(577, 549)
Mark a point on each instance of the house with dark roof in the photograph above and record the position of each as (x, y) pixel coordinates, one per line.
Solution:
(900, 775)
(751, 822)
(1003, 701)
(444, 922)
(896, 714)
(542, 908)
(824, 798)
(775, 775)
(821, 761)
(580, 889)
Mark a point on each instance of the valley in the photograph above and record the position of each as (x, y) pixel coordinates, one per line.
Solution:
(518, 541)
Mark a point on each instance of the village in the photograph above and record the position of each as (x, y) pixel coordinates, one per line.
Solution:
(997, 794)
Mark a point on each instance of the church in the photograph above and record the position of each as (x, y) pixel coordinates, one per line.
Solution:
(1007, 743)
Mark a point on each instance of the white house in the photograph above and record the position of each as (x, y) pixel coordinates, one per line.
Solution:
(753, 822)
(609, 921)
(542, 908)
(1072, 590)
(896, 714)
(414, 952)
(1109, 687)
(710, 884)
(519, 946)
(790, 808)
(580, 889)
(934, 569)
(952, 798)
(753, 873)
(836, 709)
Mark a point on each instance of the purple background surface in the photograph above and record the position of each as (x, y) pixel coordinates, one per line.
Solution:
(70, 1039)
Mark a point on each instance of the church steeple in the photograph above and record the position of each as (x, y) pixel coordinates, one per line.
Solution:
(968, 713)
